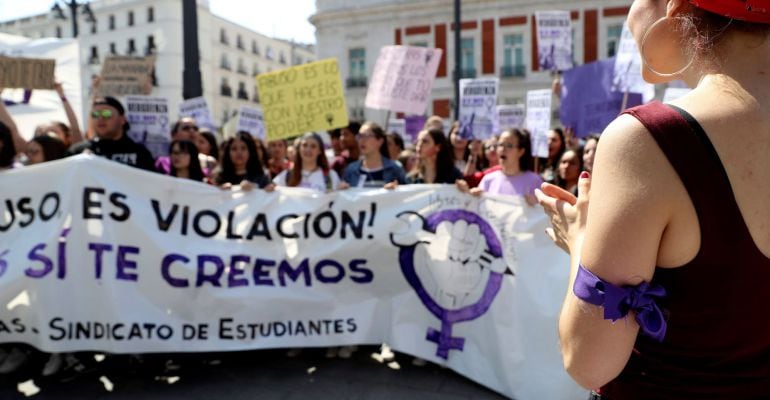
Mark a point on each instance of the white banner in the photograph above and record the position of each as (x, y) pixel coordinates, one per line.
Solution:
(198, 109)
(510, 116)
(148, 118)
(403, 79)
(105, 257)
(628, 68)
(250, 119)
(539, 120)
(42, 106)
(554, 40)
(478, 107)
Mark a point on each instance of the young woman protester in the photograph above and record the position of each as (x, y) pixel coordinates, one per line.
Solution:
(184, 156)
(374, 169)
(311, 168)
(435, 163)
(668, 237)
(240, 165)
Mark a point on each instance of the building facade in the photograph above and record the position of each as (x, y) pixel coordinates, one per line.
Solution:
(230, 54)
(498, 38)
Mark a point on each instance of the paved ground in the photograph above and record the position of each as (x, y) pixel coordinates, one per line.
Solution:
(266, 374)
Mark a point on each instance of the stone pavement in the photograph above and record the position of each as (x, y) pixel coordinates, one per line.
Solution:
(264, 374)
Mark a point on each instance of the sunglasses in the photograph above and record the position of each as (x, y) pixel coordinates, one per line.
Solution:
(188, 128)
(104, 114)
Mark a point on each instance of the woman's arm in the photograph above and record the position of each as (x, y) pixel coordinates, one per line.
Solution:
(76, 134)
(617, 238)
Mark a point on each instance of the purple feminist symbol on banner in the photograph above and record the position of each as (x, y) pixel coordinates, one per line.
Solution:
(462, 249)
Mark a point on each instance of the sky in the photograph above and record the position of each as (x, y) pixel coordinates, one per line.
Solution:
(287, 19)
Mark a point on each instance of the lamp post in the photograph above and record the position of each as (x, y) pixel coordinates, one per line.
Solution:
(193, 87)
(73, 6)
(458, 58)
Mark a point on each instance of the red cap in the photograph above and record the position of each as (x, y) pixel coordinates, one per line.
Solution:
(743, 10)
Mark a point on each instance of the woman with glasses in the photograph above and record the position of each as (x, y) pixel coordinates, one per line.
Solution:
(374, 169)
(185, 129)
(184, 155)
(44, 148)
(516, 176)
(240, 165)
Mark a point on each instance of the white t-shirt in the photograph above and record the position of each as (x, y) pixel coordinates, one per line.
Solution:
(313, 180)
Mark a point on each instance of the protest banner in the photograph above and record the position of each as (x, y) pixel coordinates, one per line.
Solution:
(148, 118)
(627, 75)
(26, 73)
(413, 124)
(198, 109)
(31, 108)
(510, 116)
(588, 103)
(403, 79)
(301, 99)
(538, 120)
(110, 258)
(250, 119)
(125, 75)
(554, 40)
(478, 107)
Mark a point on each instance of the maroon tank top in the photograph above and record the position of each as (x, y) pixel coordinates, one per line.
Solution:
(717, 345)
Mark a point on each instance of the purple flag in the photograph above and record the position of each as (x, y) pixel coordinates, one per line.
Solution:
(588, 103)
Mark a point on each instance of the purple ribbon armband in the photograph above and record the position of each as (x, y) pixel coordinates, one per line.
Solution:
(619, 301)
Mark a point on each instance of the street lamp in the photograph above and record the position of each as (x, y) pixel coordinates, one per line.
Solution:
(58, 13)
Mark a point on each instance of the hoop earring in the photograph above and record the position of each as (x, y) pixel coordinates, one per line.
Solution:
(646, 61)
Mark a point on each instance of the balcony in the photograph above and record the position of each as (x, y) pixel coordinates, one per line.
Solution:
(466, 73)
(509, 71)
(356, 82)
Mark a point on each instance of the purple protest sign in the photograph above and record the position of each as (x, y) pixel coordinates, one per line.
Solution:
(588, 103)
(414, 124)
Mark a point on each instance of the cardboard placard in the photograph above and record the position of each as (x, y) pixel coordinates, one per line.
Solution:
(27, 73)
(124, 76)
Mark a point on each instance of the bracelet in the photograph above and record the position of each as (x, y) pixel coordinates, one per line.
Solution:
(63, 99)
(619, 301)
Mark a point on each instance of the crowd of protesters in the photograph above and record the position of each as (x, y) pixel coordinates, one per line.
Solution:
(360, 155)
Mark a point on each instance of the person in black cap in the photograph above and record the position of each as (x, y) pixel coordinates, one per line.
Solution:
(112, 142)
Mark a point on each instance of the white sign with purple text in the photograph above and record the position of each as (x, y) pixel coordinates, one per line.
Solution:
(478, 107)
(109, 258)
(539, 120)
(554, 40)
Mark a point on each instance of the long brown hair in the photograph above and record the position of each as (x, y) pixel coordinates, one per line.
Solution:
(295, 175)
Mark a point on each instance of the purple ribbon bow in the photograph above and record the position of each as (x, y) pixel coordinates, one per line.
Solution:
(618, 301)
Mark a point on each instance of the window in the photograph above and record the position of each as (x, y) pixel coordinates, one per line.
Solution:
(513, 55)
(269, 53)
(282, 59)
(94, 58)
(613, 39)
(254, 47)
(150, 14)
(150, 50)
(357, 74)
(223, 37)
(256, 95)
(467, 59)
(239, 42)
(131, 47)
(242, 67)
(113, 50)
(94, 27)
(225, 89)
(112, 22)
(419, 44)
(130, 18)
(255, 69)
(242, 93)
(58, 31)
(224, 62)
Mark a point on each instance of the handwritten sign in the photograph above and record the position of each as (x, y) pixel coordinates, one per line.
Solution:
(478, 107)
(554, 40)
(251, 120)
(539, 120)
(26, 73)
(123, 76)
(302, 99)
(149, 121)
(403, 79)
(198, 109)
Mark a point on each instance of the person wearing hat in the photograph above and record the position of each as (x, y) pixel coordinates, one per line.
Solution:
(112, 141)
(669, 237)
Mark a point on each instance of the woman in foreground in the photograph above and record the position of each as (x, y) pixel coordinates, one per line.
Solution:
(669, 259)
